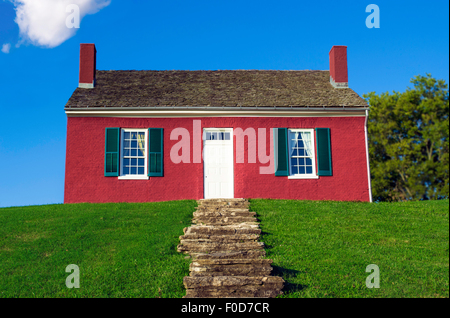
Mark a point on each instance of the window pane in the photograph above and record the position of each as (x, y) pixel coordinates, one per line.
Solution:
(227, 136)
(294, 165)
(126, 144)
(293, 144)
(301, 170)
(293, 139)
(141, 143)
(126, 152)
(306, 136)
(294, 152)
(126, 162)
(133, 170)
(133, 161)
(294, 162)
(126, 170)
(308, 161)
(208, 136)
(126, 135)
(134, 144)
(309, 169)
(301, 152)
(141, 162)
(133, 152)
(141, 170)
(301, 161)
(133, 135)
(214, 136)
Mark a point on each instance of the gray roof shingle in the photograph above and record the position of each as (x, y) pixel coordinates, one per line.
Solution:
(214, 88)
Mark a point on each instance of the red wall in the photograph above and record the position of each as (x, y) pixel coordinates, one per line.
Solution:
(85, 181)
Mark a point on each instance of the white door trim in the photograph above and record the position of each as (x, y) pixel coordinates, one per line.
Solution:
(230, 160)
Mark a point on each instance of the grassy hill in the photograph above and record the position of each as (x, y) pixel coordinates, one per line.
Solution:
(320, 248)
(122, 250)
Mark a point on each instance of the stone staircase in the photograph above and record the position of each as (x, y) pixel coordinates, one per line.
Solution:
(227, 259)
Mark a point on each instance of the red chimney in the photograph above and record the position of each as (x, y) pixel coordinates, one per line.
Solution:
(87, 65)
(338, 66)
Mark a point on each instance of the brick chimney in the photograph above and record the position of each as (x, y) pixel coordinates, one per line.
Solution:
(87, 65)
(338, 67)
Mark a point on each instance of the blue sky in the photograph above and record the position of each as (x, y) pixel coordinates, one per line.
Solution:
(36, 81)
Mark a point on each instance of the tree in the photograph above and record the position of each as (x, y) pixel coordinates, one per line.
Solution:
(408, 142)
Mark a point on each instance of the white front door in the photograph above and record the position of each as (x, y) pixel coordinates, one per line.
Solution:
(218, 163)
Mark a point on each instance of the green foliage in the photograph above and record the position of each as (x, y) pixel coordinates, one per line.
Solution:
(408, 142)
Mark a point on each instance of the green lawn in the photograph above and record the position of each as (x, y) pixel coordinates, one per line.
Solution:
(321, 249)
(122, 250)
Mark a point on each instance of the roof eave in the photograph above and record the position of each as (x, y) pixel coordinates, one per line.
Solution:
(216, 111)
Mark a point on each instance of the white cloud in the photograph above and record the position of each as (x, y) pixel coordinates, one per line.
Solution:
(6, 47)
(43, 22)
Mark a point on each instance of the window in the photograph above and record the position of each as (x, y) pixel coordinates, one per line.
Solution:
(295, 152)
(133, 154)
(302, 162)
(219, 135)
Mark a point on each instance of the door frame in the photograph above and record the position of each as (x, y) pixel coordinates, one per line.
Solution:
(218, 129)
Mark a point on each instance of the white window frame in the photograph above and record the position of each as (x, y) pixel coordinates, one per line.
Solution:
(313, 158)
(133, 177)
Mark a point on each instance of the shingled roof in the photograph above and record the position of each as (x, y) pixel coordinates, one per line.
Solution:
(239, 88)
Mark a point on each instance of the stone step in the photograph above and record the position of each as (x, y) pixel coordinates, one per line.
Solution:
(233, 292)
(238, 261)
(220, 238)
(238, 267)
(215, 207)
(229, 271)
(233, 281)
(236, 229)
(222, 241)
(224, 220)
(222, 213)
(220, 223)
(230, 267)
(220, 207)
(252, 254)
(196, 247)
(223, 200)
(228, 204)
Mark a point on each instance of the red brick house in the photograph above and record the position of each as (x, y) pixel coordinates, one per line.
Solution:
(138, 136)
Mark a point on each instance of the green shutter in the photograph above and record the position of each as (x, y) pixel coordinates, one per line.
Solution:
(323, 152)
(112, 152)
(280, 136)
(155, 152)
